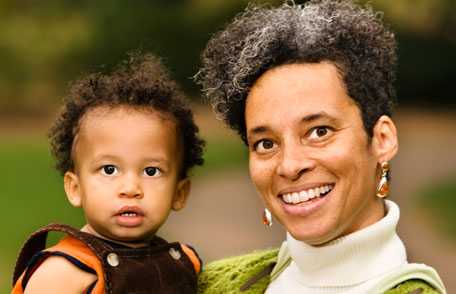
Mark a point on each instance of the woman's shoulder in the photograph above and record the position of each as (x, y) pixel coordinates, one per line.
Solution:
(411, 277)
(231, 274)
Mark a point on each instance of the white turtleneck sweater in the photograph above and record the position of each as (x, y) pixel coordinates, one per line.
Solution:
(346, 265)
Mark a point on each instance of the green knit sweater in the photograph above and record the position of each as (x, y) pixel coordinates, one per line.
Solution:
(229, 275)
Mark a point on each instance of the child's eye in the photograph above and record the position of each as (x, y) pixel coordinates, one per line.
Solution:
(319, 132)
(264, 146)
(152, 171)
(109, 170)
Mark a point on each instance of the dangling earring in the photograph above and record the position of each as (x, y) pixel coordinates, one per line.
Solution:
(267, 217)
(383, 186)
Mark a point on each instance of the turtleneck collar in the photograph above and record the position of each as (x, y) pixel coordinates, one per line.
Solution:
(351, 259)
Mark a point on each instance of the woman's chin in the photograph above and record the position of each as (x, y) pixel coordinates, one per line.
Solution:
(312, 236)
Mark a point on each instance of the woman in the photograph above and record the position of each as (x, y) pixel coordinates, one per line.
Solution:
(310, 91)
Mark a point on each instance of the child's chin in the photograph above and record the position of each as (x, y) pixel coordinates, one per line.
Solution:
(123, 237)
(132, 238)
(130, 241)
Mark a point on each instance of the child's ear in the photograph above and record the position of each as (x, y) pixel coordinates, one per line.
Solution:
(71, 185)
(384, 139)
(182, 192)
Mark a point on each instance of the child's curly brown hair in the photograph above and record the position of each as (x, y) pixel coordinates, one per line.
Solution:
(141, 81)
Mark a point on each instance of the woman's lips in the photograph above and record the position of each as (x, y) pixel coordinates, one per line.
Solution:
(305, 202)
(297, 196)
(129, 216)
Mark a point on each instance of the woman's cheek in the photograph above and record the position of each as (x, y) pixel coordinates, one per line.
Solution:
(336, 155)
(261, 174)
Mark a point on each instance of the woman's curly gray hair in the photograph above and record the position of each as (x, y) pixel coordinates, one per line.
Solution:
(350, 36)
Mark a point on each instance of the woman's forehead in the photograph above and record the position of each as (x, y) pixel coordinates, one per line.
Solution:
(298, 90)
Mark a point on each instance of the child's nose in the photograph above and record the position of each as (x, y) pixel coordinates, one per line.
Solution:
(131, 188)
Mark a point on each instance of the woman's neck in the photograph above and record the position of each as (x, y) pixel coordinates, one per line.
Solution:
(367, 216)
(353, 258)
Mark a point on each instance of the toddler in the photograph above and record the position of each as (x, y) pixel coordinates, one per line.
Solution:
(124, 143)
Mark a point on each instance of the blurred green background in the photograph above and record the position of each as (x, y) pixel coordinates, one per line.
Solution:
(46, 44)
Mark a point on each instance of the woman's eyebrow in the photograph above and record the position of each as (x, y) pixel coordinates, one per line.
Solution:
(258, 130)
(318, 116)
(255, 131)
(322, 115)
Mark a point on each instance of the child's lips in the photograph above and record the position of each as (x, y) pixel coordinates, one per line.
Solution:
(129, 216)
(130, 210)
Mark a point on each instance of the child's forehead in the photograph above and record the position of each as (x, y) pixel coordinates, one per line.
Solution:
(122, 112)
(113, 121)
(121, 126)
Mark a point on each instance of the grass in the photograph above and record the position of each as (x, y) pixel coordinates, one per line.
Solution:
(440, 200)
(32, 195)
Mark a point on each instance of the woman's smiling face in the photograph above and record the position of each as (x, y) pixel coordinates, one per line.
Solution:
(310, 156)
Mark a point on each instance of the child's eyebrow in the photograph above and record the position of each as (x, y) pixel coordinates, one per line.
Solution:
(157, 159)
(102, 157)
(147, 160)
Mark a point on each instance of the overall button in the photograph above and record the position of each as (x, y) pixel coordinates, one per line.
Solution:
(174, 253)
(113, 259)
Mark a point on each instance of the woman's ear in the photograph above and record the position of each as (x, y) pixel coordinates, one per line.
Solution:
(182, 192)
(384, 139)
(71, 186)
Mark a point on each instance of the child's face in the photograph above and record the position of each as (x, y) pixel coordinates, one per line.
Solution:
(126, 172)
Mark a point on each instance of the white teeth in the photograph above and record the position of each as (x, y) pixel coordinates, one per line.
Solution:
(311, 193)
(295, 197)
(303, 196)
(287, 198)
(128, 214)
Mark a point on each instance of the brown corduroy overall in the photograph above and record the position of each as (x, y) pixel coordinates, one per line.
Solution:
(161, 267)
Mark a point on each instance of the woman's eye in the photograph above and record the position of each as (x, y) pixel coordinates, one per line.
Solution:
(319, 132)
(264, 146)
(152, 171)
(109, 170)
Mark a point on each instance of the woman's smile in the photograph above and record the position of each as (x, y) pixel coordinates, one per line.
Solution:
(305, 202)
(302, 195)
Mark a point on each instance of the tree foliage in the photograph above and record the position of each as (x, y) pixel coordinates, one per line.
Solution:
(45, 44)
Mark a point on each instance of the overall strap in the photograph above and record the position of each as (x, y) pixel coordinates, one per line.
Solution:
(193, 256)
(37, 242)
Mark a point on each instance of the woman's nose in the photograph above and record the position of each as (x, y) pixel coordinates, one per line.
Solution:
(294, 162)
(130, 187)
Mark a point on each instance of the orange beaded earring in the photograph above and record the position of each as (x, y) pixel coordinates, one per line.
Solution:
(267, 217)
(383, 186)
